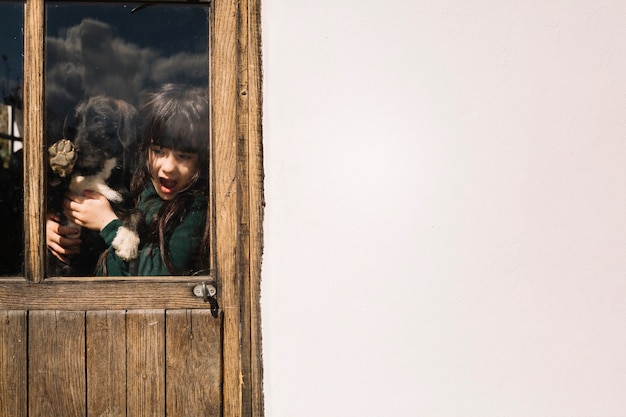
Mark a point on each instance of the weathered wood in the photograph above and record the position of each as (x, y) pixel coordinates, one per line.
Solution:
(90, 296)
(194, 353)
(106, 363)
(256, 201)
(250, 177)
(34, 172)
(243, 244)
(243, 175)
(146, 363)
(13, 363)
(56, 367)
(224, 73)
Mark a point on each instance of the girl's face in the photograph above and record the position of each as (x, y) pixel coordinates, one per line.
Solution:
(172, 171)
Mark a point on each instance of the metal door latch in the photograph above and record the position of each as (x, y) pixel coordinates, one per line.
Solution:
(209, 294)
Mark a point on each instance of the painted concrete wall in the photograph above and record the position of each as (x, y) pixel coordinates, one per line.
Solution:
(445, 229)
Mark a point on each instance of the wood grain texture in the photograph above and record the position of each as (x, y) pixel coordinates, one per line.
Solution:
(86, 296)
(34, 172)
(56, 374)
(256, 201)
(145, 332)
(250, 176)
(243, 243)
(13, 363)
(243, 172)
(106, 363)
(224, 83)
(194, 353)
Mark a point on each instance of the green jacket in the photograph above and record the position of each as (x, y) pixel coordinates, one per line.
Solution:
(183, 243)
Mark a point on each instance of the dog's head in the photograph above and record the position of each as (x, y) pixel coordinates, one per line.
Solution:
(102, 128)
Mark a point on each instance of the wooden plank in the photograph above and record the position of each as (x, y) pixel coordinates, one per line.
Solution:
(243, 216)
(34, 172)
(224, 78)
(106, 363)
(194, 363)
(90, 296)
(250, 176)
(256, 201)
(145, 332)
(56, 372)
(13, 363)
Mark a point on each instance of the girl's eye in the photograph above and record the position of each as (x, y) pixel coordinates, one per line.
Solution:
(185, 156)
(157, 150)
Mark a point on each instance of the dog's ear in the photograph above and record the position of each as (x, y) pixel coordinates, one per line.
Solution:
(72, 121)
(127, 130)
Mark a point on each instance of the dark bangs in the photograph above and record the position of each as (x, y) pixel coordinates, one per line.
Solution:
(180, 132)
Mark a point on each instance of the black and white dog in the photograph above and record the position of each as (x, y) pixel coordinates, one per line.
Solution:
(100, 156)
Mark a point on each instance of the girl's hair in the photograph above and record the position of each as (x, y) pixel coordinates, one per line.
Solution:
(176, 117)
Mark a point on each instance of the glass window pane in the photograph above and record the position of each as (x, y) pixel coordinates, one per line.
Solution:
(120, 51)
(11, 127)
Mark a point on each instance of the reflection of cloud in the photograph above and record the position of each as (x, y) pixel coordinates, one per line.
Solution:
(112, 65)
(193, 66)
(90, 59)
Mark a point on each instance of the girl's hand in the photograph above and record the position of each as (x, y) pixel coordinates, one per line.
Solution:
(59, 245)
(91, 210)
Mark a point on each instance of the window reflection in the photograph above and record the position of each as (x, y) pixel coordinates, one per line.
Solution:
(11, 127)
(120, 51)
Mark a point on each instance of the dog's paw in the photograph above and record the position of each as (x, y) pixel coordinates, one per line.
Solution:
(63, 156)
(126, 243)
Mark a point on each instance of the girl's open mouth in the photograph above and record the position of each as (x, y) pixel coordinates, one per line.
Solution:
(167, 185)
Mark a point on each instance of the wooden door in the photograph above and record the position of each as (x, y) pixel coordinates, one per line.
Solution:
(146, 346)
(116, 348)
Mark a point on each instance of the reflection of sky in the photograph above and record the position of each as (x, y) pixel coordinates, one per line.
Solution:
(11, 45)
(105, 49)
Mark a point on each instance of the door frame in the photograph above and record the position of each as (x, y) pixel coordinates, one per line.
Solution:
(235, 210)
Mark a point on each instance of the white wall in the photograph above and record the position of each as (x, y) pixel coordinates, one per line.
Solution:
(445, 231)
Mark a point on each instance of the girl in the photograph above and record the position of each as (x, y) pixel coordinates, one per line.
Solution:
(169, 186)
